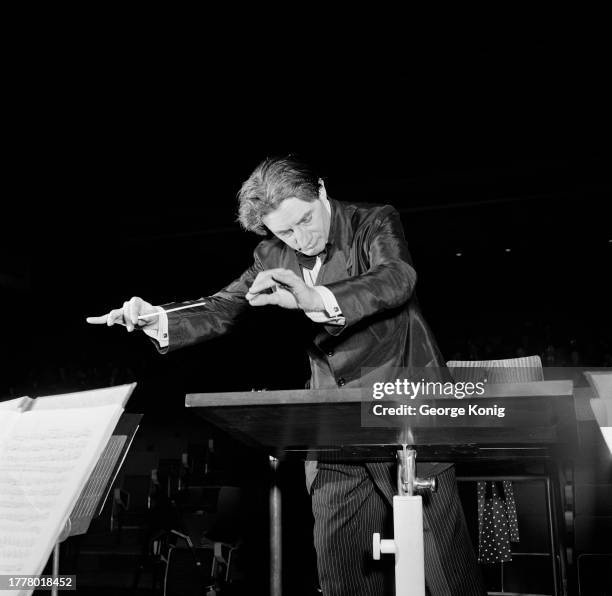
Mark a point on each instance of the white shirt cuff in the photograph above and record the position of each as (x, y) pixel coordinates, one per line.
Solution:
(333, 314)
(160, 335)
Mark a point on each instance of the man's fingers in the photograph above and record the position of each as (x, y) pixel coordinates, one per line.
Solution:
(127, 315)
(264, 300)
(262, 282)
(286, 277)
(127, 318)
(115, 317)
(262, 285)
(281, 298)
(270, 278)
(97, 320)
(135, 306)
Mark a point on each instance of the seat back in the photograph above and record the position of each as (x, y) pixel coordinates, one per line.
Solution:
(211, 513)
(509, 370)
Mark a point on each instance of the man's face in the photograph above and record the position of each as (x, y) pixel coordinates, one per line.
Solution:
(302, 225)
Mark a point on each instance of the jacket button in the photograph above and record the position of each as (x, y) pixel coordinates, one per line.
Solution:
(330, 353)
(341, 382)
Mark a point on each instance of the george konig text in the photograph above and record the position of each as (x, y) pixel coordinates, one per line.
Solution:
(428, 410)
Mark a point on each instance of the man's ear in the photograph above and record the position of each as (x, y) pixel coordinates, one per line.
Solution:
(322, 190)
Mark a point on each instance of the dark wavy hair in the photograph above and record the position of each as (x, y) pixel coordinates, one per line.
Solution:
(274, 180)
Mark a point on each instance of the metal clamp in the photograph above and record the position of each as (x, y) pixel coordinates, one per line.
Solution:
(407, 482)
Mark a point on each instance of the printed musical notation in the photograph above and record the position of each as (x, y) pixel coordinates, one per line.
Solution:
(45, 459)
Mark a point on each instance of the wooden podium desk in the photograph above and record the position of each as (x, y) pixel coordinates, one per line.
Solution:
(539, 422)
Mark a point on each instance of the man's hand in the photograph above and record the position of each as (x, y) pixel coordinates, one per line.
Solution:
(290, 291)
(128, 315)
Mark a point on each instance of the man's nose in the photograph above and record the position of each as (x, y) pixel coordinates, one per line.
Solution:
(301, 239)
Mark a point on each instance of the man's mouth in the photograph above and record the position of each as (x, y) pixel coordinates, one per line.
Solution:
(309, 249)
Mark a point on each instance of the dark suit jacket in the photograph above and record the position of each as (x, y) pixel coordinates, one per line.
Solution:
(369, 270)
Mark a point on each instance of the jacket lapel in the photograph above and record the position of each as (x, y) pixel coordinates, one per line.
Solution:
(339, 260)
(288, 260)
(334, 268)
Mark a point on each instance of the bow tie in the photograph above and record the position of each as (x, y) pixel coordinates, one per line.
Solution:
(308, 261)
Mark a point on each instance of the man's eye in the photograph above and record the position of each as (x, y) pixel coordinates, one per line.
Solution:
(307, 219)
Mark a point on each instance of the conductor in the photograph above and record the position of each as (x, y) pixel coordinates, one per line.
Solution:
(346, 267)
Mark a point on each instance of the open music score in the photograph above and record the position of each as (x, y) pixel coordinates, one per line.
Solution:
(48, 448)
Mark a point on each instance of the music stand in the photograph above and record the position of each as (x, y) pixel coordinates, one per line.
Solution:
(95, 493)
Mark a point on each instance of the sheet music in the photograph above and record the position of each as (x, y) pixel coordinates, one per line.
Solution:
(46, 458)
(8, 419)
(117, 395)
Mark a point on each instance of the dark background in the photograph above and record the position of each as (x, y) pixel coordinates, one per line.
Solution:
(133, 197)
(125, 146)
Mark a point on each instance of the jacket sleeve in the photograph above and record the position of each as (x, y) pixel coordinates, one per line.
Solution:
(389, 280)
(215, 317)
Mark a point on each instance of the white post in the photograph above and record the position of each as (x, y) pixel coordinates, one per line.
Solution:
(407, 546)
(409, 557)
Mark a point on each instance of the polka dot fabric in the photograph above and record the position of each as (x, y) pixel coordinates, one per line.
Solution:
(497, 522)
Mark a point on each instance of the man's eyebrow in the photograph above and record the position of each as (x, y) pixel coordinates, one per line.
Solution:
(305, 216)
(301, 220)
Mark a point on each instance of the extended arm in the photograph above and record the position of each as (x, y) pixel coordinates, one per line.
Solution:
(216, 317)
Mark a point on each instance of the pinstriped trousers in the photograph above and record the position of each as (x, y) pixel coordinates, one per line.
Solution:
(351, 502)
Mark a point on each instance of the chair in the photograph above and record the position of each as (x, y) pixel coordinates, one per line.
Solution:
(190, 571)
(516, 370)
(208, 537)
(509, 370)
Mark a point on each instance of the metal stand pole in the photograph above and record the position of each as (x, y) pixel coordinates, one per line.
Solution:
(276, 578)
(55, 572)
(56, 556)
